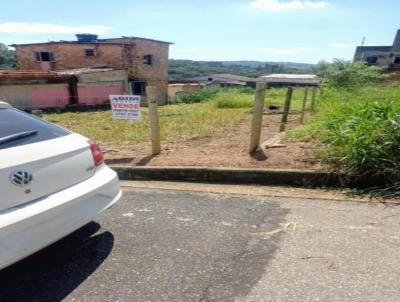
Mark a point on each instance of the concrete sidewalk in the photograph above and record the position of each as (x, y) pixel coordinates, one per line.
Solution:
(254, 190)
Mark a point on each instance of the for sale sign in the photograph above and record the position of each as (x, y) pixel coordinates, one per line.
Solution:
(125, 107)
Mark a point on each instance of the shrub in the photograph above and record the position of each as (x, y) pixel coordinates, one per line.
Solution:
(348, 74)
(199, 96)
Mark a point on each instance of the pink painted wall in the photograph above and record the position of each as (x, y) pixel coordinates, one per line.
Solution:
(98, 94)
(50, 96)
(57, 95)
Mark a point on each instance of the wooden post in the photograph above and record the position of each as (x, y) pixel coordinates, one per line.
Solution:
(256, 121)
(286, 109)
(314, 95)
(154, 121)
(128, 87)
(303, 107)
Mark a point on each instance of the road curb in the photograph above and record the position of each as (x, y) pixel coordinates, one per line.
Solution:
(297, 178)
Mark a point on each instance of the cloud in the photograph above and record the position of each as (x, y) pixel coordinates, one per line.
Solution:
(342, 45)
(47, 28)
(287, 51)
(276, 5)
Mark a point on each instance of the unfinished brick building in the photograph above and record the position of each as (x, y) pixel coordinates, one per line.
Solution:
(145, 60)
(383, 56)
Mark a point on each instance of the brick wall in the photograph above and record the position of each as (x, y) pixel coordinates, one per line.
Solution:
(156, 74)
(70, 56)
(160, 53)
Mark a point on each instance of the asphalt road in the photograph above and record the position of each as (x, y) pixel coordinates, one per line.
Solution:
(160, 245)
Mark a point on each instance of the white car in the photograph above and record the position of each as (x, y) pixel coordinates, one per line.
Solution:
(52, 182)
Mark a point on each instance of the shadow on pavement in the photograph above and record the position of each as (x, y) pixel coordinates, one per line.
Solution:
(53, 273)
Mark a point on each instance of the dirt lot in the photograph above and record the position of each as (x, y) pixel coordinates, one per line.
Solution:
(224, 148)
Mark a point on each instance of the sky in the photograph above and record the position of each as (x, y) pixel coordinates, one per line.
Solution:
(304, 31)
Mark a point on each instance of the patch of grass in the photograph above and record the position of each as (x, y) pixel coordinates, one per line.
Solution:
(244, 98)
(176, 122)
(246, 89)
(232, 98)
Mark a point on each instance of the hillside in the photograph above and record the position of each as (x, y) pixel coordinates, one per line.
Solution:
(188, 68)
(255, 64)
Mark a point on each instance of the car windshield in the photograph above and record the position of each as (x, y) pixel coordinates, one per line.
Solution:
(19, 128)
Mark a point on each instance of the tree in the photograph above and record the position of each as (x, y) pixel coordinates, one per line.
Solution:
(7, 57)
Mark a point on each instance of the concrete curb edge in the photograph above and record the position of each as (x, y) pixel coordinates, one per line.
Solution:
(296, 178)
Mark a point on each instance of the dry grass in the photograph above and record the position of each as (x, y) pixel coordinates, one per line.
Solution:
(233, 98)
(177, 122)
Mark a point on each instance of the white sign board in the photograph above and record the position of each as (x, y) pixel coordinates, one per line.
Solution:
(125, 107)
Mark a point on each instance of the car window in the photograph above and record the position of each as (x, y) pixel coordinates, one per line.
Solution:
(13, 121)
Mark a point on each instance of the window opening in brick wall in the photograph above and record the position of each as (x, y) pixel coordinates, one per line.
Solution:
(372, 60)
(44, 56)
(89, 52)
(139, 87)
(148, 59)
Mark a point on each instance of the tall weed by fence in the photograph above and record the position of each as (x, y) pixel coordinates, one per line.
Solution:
(359, 132)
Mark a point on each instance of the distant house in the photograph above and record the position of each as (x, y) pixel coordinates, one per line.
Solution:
(384, 56)
(144, 60)
(284, 80)
(222, 80)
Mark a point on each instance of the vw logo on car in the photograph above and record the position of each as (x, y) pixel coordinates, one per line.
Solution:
(21, 178)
